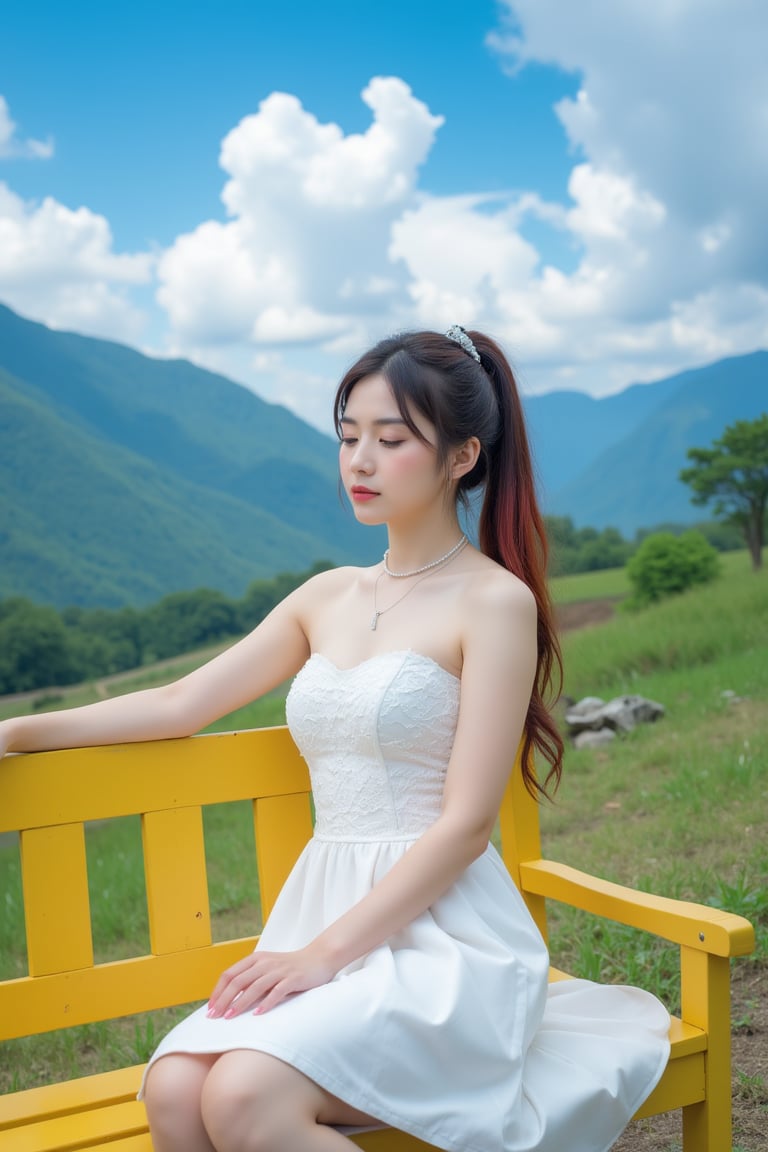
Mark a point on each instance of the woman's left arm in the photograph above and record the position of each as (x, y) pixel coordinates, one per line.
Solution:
(499, 663)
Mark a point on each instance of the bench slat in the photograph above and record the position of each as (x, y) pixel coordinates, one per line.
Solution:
(56, 903)
(177, 883)
(141, 984)
(128, 779)
(283, 825)
(87, 1092)
(79, 1130)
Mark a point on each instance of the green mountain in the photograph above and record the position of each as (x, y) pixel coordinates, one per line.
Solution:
(637, 443)
(123, 478)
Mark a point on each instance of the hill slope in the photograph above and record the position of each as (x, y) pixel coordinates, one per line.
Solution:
(124, 477)
(632, 481)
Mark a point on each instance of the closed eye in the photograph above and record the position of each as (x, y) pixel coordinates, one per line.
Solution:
(391, 443)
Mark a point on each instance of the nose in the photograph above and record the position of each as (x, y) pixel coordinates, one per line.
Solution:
(360, 460)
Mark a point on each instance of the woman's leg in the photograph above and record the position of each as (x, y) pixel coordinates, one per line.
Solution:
(172, 1096)
(252, 1102)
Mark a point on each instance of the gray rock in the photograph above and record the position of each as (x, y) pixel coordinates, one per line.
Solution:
(621, 714)
(585, 705)
(589, 739)
(585, 715)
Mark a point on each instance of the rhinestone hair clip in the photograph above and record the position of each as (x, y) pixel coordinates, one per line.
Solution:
(457, 333)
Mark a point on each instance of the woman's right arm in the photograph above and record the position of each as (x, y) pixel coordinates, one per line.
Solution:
(268, 656)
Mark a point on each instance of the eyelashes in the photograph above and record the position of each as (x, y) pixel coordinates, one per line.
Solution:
(350, 441)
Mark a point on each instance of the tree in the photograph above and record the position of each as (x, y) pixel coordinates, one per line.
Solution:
(183, 621)
(34, 647)
(733, 476)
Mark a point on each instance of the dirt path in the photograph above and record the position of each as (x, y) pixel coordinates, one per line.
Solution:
(584, 613)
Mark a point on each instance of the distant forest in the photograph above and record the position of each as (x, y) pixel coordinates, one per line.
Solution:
(44, 647)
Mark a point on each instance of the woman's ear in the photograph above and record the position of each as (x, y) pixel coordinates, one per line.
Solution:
(464, 458)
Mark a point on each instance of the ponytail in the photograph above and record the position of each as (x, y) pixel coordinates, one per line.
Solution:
(511, 532)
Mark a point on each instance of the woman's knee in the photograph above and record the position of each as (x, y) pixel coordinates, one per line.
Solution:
(250, 1100)
(174, 1086)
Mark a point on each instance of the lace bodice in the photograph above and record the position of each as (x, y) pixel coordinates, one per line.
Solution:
(377, 738)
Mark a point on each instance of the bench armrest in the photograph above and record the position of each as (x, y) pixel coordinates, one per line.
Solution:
(692, 925)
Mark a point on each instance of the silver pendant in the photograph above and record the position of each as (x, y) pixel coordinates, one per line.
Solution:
(375, 620)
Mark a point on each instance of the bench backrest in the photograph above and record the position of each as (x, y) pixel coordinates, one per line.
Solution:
(49, 797)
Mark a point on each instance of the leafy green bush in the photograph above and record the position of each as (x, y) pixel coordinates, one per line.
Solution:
(665, 564)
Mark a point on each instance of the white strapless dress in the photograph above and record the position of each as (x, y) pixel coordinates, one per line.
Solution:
(449, 1030)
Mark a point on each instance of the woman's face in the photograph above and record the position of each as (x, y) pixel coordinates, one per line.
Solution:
(388, 472)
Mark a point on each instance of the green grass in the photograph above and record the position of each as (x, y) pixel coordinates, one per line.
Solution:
(613, 583)
(703, 627)
(679, 807)
(609, 583)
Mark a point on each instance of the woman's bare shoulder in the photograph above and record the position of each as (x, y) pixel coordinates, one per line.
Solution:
(492, 588)
(498, 627)
(330, 584)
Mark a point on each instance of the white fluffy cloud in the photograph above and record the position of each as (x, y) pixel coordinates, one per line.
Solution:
(669, 131)
(57, 264)
(303, 256)
(11, 144)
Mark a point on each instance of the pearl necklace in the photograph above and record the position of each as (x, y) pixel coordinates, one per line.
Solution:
(425, 567)
(422, 573)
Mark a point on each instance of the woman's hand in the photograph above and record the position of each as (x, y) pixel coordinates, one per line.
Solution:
(264, 979)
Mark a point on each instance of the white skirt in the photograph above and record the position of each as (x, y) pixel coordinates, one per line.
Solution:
(450, 1030)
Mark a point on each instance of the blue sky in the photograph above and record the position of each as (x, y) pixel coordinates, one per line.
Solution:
(265, 189)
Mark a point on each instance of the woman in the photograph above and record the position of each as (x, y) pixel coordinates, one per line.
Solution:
(400, 978)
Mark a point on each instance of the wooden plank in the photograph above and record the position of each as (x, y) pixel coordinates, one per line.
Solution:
(69, 1096)
(283, 825)
(683, 1083)
(82, 784)
(56, 904)
(141, 1143)
(80, 1130)
(140, 984)
(389, 1140)
(176, 880)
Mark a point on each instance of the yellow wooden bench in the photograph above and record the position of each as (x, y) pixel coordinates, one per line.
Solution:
(47, 797)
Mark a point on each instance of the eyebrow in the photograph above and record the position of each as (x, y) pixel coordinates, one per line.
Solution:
(381, 422)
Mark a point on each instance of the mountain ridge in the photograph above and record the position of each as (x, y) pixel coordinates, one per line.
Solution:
(124, 477)
(643, 465)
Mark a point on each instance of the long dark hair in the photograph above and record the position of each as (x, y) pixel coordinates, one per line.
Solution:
(461, 397)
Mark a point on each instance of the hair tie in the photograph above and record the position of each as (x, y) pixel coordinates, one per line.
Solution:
(460, 337)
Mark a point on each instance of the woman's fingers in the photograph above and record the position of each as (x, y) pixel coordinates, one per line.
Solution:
(224, 991)
(263, 980)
